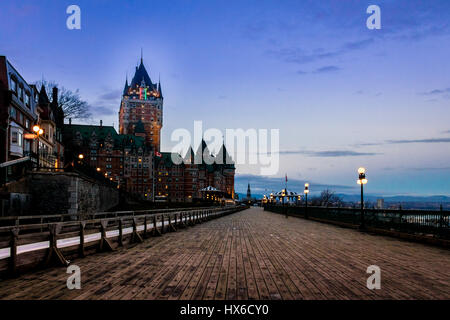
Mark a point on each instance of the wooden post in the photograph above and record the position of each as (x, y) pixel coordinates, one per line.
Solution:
(13, 252)
(136, 236)
(104, 242)
(156, 232)
(81, 249)
(182, 222)
(171, 226)
(145, 227)
(54, 254)
(120, 232)
(162, 223)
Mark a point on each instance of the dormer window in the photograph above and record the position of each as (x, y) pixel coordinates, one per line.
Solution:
(27, 100)
(14, 85)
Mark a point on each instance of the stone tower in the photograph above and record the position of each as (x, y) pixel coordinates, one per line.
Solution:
(141, 108)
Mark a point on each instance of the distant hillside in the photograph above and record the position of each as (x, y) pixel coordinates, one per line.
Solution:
(399, 198)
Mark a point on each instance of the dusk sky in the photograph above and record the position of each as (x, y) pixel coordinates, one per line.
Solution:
(342, 95)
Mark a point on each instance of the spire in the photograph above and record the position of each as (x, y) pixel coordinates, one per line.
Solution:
(43, 98)
(159, 87)
(142, 56)
(249, 193)
(125, 89)
(140, 74)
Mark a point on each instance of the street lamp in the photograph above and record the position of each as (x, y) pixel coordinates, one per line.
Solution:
(81, 156)
(306, 191)
(38, 131)
(362, 181)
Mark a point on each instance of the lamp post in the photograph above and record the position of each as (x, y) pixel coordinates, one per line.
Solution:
(362, 181)
(283, 194)
(306, 191)
(38, 131)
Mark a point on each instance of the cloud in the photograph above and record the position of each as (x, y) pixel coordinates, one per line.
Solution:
(330, 153)
(431, 140)
(300, 56)
(405, 141)
(436, 92)
(264, 185)
(101, 110)
(327, 69)
(431, 169)
(112, 95)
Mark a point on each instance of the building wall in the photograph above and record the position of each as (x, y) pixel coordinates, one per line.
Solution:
(60, 193)
(17, 112)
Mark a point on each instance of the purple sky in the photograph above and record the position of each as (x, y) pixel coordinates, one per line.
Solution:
(342, 95)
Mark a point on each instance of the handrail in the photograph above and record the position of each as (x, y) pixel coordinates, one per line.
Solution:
(15, 220)
(72, 238)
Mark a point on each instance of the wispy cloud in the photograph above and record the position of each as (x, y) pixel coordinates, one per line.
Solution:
(431, 140)
(404, 141)
(436, 92)
(431, 169)
(300, 56)
(102, 111)
(112, 95)
(327, 69)
(262, 184)
(330, 153)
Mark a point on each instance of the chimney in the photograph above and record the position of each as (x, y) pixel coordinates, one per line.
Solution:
(101, 123)
(55, 96)
(70, 121)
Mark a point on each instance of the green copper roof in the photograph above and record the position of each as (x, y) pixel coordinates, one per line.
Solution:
(101, 133)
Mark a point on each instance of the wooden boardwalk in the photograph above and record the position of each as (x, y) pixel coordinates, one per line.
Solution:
(250, 255)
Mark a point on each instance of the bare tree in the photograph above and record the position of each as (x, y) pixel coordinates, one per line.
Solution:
(71, 103)
(327, 198)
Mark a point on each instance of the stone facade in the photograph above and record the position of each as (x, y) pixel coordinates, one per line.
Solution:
(60, 193)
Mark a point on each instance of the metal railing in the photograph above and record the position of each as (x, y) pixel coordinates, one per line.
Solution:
(425, 222)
